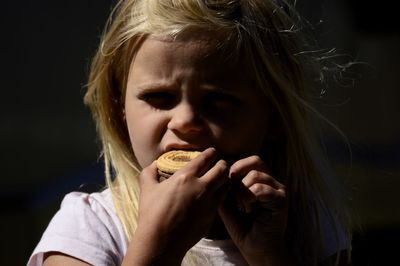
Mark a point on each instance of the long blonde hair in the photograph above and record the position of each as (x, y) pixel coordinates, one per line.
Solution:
(267, 32)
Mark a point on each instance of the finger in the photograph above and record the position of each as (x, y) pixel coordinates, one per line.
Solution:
(257, 186)
(260, 195)
(254, 177)
(222, 192)
(244, 197)
(240, 168)
(201, 164)
(217, 176)
(149, 176)
(269, 197)
(232, 218)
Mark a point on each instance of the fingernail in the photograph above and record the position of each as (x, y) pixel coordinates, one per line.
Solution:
(212, 151)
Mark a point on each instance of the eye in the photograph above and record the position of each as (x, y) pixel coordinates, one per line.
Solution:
(221, 100)
(159, 99)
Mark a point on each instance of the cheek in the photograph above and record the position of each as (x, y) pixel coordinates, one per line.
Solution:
(246, 137)
(252, 136)
(144, 133)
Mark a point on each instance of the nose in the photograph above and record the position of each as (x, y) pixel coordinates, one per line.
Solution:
(185, 119)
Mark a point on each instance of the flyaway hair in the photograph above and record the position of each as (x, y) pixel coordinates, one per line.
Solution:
(268, 34)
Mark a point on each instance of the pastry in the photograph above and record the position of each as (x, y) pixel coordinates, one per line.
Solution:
(170, 162)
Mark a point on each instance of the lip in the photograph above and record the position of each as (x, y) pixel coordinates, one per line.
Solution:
(182, 146)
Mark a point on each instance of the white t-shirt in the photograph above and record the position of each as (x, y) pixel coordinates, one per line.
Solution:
(87, 227)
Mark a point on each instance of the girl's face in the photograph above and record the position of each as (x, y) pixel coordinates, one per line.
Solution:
(185, 95)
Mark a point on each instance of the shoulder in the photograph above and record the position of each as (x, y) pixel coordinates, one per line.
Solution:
(98, 204)
(90, 214)
(86, 227)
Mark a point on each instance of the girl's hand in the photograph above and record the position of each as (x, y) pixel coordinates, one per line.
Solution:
(257, 226)
(176, 213)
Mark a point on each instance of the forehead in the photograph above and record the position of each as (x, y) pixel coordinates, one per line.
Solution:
(200, 47)
(210, 55)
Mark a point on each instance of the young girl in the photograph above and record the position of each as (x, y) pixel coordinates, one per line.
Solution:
(225, 78)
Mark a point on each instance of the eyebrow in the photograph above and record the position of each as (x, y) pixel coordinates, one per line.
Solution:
(154, 85)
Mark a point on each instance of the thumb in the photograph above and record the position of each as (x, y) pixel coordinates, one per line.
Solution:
(232, 218)
(149, 176)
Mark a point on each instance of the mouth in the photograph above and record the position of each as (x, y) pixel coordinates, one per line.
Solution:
(184, 147)
(229, 158)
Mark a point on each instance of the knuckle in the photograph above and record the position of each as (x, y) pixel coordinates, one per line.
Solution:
(282, 194)
(183, 177)
(259, 177)
(253, 175)
(268, 190)
(259, 189)
(145, 171)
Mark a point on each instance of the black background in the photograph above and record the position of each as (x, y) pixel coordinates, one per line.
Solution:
(49, 145)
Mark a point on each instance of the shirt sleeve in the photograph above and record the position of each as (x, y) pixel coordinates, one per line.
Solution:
(83, 228)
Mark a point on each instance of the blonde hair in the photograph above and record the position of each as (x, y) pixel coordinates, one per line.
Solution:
(267, 33)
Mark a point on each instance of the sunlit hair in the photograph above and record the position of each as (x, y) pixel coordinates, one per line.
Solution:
(267, 34)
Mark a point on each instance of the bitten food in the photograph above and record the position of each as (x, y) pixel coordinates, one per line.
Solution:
(170, 162)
